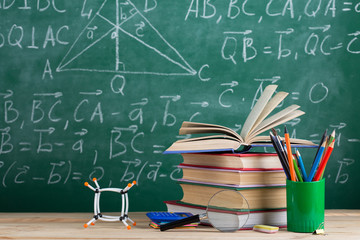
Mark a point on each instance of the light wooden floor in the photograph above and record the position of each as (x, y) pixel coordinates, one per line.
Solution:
(339, 224)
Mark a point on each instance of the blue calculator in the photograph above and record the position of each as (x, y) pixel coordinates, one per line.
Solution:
(167, 216)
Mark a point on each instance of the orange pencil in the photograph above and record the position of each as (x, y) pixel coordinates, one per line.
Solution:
(290, 156)
(324, 162)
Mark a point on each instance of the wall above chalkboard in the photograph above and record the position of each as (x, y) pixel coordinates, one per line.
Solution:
(100, 88)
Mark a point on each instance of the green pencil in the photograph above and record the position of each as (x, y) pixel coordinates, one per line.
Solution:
(298, 174)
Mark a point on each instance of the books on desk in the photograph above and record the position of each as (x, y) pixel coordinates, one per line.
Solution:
(262, 182)
(260, 179)
(225, 139)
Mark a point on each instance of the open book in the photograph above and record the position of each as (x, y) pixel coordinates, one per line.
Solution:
(226, 139)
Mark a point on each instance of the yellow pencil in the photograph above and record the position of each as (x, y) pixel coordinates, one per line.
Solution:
(291, 164)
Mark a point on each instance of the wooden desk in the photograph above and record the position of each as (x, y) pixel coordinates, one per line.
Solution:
(339, 224)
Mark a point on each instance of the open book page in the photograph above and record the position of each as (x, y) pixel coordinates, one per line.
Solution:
(258, 139)
(282, 120)
(209, 145)
(208, 137)
(270, 106)
(273, 119)
(257, 110)
(196, 128)
(198, 124)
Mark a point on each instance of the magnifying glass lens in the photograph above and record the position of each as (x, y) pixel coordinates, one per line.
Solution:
(228, 211)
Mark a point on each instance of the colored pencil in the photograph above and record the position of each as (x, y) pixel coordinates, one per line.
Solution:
(328, 142)
(316, 162)
(332, 137)
(283, 148)
(290, 159)
(280, 144)
(301, 164)
(274, 131)
(281, 158)
(284, 153)
(324, 161)
(323, 138)
(297, 171)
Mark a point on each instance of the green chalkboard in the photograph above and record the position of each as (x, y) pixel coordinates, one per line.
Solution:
(99, 88)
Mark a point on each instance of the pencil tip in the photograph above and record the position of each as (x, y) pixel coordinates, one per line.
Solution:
(285, 131)
(274, 131)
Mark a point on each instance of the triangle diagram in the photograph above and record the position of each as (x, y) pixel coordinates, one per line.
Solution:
(120, 39)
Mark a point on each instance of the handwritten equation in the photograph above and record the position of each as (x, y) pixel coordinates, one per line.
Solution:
(235, 9)
(240, 46)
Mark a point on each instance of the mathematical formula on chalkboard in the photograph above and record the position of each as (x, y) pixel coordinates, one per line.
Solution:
(100, 88)
(121, 140)
(239, 44)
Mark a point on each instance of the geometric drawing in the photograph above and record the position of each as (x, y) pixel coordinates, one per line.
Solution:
(120, 39)
(124, 209)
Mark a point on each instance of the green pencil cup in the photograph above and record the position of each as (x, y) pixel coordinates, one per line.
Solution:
(305, 205)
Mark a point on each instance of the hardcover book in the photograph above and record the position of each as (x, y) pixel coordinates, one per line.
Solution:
(233, 177)
(242, 161)
(257, 197)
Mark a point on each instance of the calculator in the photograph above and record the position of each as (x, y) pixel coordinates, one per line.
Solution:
(167, 216)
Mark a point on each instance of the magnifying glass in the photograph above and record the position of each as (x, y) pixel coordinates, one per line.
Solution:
(227, 211)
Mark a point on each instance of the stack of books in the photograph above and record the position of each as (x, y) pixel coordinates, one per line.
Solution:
(257, 176)
(219, 161)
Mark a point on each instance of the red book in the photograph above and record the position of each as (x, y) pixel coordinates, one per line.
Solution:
(237, 177)
(245, 161)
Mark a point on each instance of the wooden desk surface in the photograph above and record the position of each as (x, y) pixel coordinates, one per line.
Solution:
(339, 224)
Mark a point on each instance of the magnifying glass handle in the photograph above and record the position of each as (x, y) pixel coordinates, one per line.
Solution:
(179, 223)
